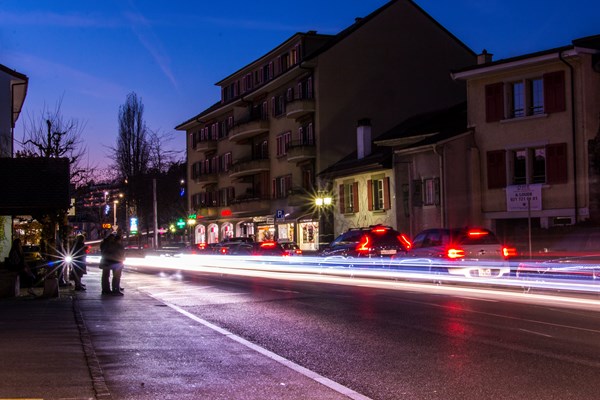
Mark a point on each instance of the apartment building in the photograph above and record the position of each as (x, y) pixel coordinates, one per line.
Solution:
(254, 156)
(536, 121)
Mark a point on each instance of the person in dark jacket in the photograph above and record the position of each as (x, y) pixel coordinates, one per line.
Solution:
(17, 263)
(79, 262)
(113, 255)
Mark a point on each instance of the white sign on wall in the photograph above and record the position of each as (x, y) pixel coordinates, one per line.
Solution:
(524, 197)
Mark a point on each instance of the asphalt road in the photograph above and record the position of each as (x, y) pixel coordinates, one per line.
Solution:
(409, 341)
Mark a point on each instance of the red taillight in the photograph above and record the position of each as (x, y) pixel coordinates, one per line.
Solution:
(476, 233)
(298, 251)
(455, 253)
(267, 244)
(202, 246)
(223, 250)
(509, 252)
(405, 241)
(363, 245)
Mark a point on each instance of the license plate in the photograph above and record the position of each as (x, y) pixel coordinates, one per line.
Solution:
(485, 272)
(388, 252)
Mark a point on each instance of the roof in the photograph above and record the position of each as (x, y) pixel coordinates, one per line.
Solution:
(420, 130)
(34, 185)
(589, 42)
(380, 158)
(359, 22)
(427, 128)
(13, 73)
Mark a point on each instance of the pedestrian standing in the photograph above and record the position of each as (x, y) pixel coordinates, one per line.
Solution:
(113, 255)
(79, 262)
(16, 259)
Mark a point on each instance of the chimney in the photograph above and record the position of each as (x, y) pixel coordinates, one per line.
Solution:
(363, 138)
(484, 57)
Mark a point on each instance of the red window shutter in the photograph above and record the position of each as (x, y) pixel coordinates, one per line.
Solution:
(494, 102)
(386, 193)
(554, 92)
(556, 163)
(370, 194)
(342, 200)
(355, 197)
(496, 169)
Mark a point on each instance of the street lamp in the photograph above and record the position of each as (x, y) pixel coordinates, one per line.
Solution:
(322, 200)
(115, 202)
(192, 223)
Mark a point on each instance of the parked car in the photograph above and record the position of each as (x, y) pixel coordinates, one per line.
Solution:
(291, 248)
(471, 252)
(375, 242)
(228, 244)
(585, 267)
(267, 248)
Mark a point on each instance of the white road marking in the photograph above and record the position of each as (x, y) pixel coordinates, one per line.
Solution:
(284, 361)
(535, 333)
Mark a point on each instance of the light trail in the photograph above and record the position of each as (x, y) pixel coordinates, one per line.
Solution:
(368, 273)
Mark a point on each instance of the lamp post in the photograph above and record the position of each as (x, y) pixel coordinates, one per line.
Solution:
(192, 224)
(322, 200)
(115, 226)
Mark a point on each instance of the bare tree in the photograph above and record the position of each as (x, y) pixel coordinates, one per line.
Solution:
(161, 158)
(132, 153)
(51, 135)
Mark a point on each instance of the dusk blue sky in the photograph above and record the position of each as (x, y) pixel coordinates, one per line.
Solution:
(171, 53)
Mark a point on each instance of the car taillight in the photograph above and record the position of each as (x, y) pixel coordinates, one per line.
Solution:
(475, 233)
(202, 246)
(223, 250)
(266, 245)
(298, 251)
(509, 252)
(363, 245)
(453, 253)
(405, 241)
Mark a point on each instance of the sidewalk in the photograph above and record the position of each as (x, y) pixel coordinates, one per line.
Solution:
(83, 345)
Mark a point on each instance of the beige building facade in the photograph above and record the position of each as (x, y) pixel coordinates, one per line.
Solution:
(534, 119)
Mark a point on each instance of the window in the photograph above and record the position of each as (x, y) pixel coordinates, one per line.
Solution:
(526, 97)
(306, 135)
(542, 164)
(281, 186)
(348, 197)
(378, 193)
(283, 143)
(431, 191)
(226, 161)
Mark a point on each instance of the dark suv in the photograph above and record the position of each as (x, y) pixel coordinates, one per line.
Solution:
(377, 241)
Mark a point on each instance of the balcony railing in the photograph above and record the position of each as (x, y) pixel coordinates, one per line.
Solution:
(299, 108)
(249, 166)
(250, 202)
(301, 150)
(205, 145)
(247, 129)
(206, 178)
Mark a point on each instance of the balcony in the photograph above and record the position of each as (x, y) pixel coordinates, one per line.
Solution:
(250, 203)
(206, 179)
(248, 129)
(298, 197)
(298, 151)
(299, 108)
(250, 166)
(206, 145)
